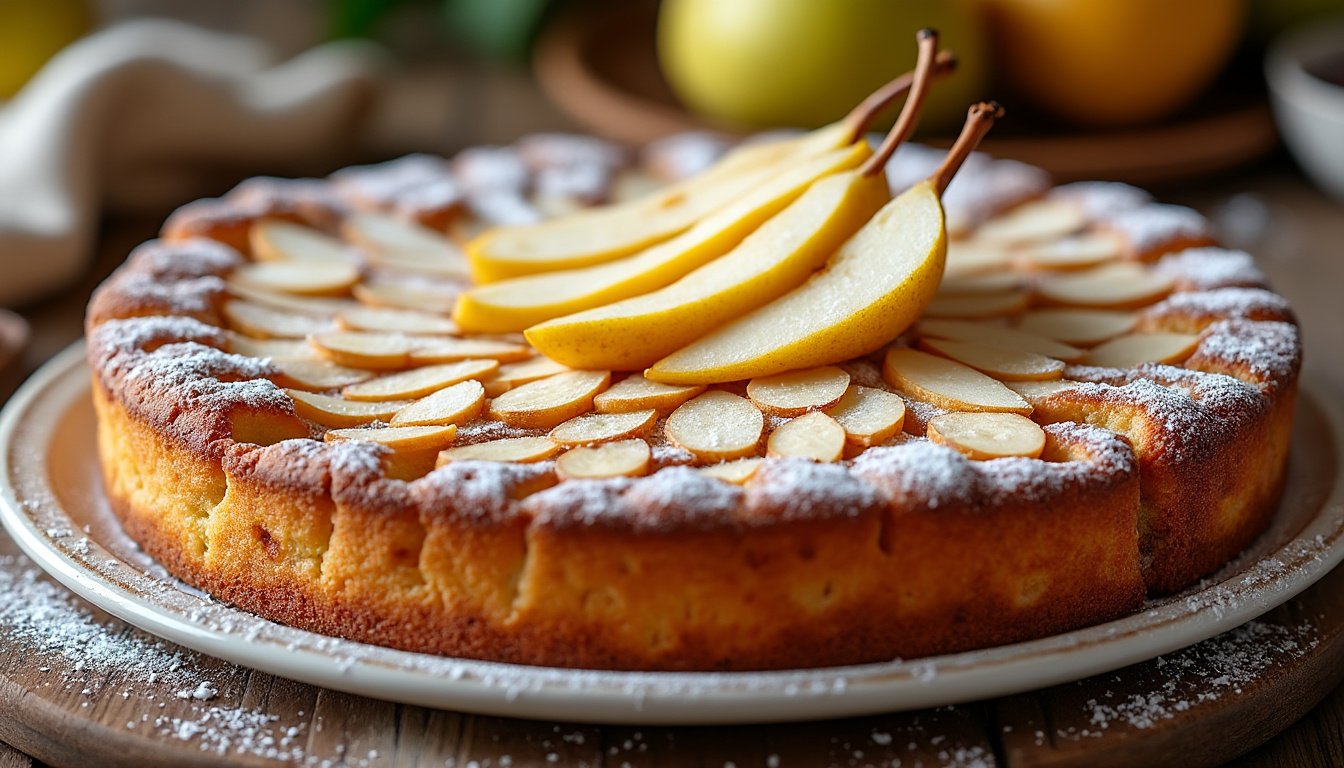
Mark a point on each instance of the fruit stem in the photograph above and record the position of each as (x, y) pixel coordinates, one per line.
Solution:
(978, 122)
(909, 117)
(861, 116)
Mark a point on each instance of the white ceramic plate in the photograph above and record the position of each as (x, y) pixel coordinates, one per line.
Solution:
(51, 502)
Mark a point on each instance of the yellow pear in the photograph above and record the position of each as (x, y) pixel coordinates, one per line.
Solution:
(872, 289)
(776, 258)
(603, 234)
(520, 302)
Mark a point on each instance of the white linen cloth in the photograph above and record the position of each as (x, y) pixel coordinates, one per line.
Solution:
(142, 115)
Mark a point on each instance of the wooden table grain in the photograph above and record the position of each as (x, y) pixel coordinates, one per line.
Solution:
(1297, 233)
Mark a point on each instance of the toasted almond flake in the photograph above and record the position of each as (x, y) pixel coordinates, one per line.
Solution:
(302, 278)
(391, 320)
(524, 450)
(419, 382)
(1136, 349)
(797, 392)
(869, 416)
(948, 384)
(999, 362)
(1084, 327)
(813, 436)
(379, 351)
(317, 375)
(984, 436)
(263, 322)
(635, 393)
(544, 403)
(400, 438)
(999, 336)
(456, 404)
(716, 426)
(736, 472)
(624, 458)
(426, 298)
(973, 306)
(511, 375)
(604, 427)
(1120, 285)
(1033, 222)
(276, 240)
(447, 349)
(1079, 252)
(334, 412)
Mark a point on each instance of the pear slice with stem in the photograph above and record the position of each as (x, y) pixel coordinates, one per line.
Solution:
(870, 291)
(602, 234)
(517, 303)
(778, 257)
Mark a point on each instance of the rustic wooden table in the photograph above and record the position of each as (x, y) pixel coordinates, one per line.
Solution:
(1227, 696)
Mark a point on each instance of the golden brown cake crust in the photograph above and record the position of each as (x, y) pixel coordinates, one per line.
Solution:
(909, 549)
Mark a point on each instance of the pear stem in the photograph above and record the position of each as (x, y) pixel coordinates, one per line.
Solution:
(909, 117)
(861, 116)
(978, 122)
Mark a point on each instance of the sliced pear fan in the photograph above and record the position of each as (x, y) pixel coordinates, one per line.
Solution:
(717, 426)
(335, 412)
(624, 458)
(736, 472)
(274, 240)
(399, 438)
(301, 278)
(457, 404)
(636, 393)
(419, 382)
(1084, 327)
(545, 403)
(1139, 348)
(813, 436)
(949, 384)
(869, 416)
(797, 392)
(984, 436)
(518, 449)
(604, 427)
(999, 336)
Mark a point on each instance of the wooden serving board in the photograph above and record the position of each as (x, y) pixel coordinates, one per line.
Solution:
(77, 685)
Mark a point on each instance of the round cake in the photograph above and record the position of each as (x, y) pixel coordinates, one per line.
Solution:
(1094, 407)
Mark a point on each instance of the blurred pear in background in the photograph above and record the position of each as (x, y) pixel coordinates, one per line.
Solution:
(32, 31)
(1114, 62)
(805, 63)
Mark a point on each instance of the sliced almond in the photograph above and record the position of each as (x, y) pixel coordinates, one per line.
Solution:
(302, 278)
(419, 382)
(1138, 348)
(405, 245)
(971, 257)
(291, 349)
(1085, 327)
(400, 438)
(1122, 285)
(1003, 364)
(604, 427)
(511, 375)
(457, 404)
(717, 426)
(1079, 252)
(391, 320)
(447, 350)
(523, 450)
(309, 305)
(276, 240)
(978, 306)
(813, 436)
(636, 393)
(334, 412)
(797, 392)
(948, 384)
(736, 472)
(1034, 391)
(1032, 223)
(544, 403)
(984, 436)
(869, 416)
(624, 458)
(380, 351)
(988, 282)
(317, 375)
(263, 322)
(426, 298)
(999, 336)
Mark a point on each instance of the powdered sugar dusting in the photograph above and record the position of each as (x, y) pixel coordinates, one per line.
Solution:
(1196, 269)
(983, 187)
(1268, 353)
(1100, 200)
(1248, 303)
(1156, 226)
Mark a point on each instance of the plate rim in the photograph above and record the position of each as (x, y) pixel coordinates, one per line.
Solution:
(659, 698)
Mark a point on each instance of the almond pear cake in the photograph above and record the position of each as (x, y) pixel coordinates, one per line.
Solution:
(698, 407)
